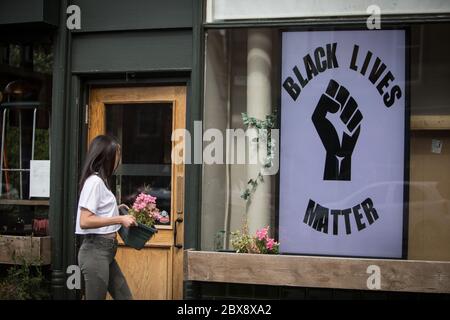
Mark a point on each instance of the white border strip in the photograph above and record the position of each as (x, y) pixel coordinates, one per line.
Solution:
(222, 10)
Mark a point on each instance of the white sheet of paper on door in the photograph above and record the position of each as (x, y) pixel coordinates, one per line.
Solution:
(40, 178)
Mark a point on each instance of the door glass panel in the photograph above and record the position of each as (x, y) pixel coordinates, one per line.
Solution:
(144, 132)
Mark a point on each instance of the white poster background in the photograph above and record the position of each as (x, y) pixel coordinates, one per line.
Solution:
(377, 170)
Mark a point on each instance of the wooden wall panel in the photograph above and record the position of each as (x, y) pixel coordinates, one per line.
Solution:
(144, 270)
(35, 250)
(429, 206)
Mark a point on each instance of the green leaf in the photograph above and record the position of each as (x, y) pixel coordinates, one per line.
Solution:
(263, 128)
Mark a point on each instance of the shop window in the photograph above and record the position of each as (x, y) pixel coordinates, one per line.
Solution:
(429, 209)
(223, 208)
(226, 97)
(25, 84)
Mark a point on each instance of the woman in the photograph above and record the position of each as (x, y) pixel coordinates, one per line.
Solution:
(98, 220)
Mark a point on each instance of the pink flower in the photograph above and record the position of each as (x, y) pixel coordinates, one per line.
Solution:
(149, 199)
(144, 201)
(270, 243)
(138, 206)
(262, 233)
(155, 215)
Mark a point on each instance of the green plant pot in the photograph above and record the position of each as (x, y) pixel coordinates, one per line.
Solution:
(137, 237)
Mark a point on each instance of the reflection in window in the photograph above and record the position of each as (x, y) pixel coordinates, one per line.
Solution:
(144, 132)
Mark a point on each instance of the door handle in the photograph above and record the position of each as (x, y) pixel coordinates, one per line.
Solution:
(177, 245)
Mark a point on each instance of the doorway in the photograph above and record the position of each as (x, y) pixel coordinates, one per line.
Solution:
(143, 118)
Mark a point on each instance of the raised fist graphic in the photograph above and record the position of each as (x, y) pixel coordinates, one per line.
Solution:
(339, 147)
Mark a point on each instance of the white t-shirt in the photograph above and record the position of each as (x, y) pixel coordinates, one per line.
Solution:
(97, 198)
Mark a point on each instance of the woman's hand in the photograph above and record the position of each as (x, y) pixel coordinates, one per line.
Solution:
(128, 221)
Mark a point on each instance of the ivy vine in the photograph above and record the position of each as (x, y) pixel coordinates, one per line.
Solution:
(264, 135)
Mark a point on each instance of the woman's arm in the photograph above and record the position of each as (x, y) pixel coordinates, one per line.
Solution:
(88, 220)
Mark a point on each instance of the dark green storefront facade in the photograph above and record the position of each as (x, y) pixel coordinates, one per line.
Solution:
(119, 43)
(152, 43)
(148, 43)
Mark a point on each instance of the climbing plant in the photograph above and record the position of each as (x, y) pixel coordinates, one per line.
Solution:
(264, 135)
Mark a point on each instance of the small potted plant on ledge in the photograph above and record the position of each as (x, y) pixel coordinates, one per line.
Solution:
(147, 215)
(243, 242)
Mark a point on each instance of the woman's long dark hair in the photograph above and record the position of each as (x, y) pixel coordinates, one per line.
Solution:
(101, 158)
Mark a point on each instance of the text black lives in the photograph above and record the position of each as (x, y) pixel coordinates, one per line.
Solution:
(324, 58)
(327, 220)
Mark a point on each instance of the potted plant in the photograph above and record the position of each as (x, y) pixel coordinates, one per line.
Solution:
(147, 215)
(243, 242)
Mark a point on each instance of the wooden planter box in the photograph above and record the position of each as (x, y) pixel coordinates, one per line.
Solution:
(319, 272)
(16, 249)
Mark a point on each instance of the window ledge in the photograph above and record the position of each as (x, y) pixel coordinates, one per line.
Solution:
(321, 272)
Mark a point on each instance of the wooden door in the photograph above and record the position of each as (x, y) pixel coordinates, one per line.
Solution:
(143, 118)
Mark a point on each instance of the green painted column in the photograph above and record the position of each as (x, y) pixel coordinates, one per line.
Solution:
(57, 160)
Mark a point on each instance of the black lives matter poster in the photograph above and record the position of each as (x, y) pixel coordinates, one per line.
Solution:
(342, 152)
